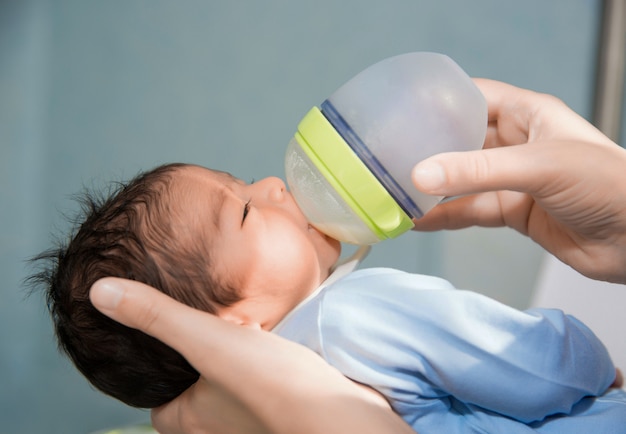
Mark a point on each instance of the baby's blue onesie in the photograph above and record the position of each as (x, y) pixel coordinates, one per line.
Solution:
(453, 361)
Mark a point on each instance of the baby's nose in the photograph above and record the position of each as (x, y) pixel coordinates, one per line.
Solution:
(274, 187)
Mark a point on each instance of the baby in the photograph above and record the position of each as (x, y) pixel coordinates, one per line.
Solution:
(446, 360)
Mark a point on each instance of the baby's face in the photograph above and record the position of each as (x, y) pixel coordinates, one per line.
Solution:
(260, 242)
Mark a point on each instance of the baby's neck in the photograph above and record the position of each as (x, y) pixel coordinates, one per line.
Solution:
(340, 269)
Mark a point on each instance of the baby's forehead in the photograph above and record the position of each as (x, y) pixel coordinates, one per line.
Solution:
(194, 201)
(197, 189)
(200, 173)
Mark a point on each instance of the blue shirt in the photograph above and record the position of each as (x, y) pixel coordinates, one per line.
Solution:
(452, 361)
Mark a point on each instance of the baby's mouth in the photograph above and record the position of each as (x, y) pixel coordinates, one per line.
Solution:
(312, 228)
(321, 234)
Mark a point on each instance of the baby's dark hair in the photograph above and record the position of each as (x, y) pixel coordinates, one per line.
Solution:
(127, 232)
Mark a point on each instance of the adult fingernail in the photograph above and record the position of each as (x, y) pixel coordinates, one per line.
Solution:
(106, 294)
(429, 176)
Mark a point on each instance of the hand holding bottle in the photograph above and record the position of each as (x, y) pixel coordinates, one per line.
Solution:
(545, 172)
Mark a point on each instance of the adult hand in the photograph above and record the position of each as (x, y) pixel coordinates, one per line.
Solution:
(252, 381)
(545, 172)
(618, 383)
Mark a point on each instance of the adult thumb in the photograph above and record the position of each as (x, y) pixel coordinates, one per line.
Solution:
(142, 307)
(459, 173)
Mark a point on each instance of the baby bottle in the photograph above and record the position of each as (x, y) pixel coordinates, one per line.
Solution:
(349, 164)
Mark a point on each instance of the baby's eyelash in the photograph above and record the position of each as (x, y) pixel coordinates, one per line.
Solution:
(246, 210)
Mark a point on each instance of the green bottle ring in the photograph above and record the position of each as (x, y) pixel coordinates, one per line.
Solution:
(349, 176)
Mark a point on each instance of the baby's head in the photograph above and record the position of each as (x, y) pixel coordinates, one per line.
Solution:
(241, 251)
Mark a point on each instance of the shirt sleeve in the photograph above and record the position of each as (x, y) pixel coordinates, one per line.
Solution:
(415, 338)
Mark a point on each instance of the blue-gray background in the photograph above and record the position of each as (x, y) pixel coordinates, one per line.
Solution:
(92, 91)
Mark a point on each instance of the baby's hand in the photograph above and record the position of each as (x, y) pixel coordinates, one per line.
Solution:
(618, 383)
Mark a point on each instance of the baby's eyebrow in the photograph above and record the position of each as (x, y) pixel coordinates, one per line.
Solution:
(221, 194)
(217, 204)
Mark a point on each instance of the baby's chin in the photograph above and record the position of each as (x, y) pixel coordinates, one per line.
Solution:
(334, 247)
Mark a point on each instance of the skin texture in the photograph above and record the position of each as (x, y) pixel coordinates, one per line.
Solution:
(545, 172)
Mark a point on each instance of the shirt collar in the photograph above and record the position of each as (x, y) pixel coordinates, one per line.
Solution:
(341, 269)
